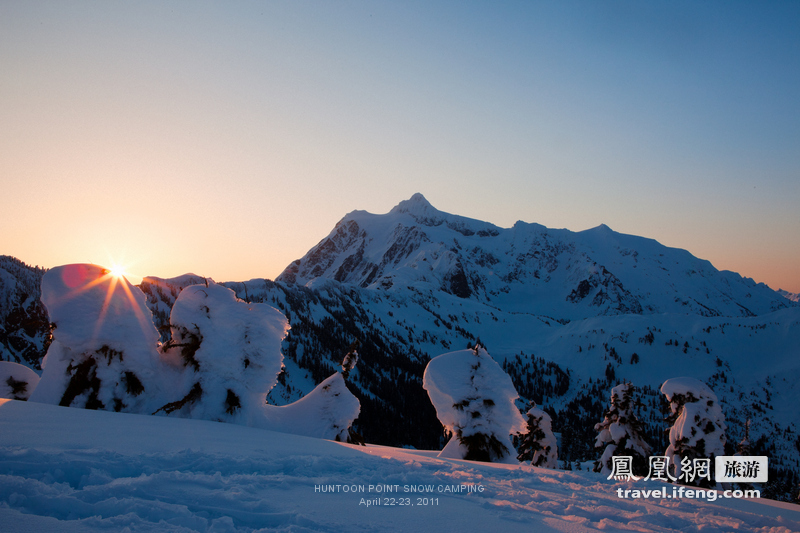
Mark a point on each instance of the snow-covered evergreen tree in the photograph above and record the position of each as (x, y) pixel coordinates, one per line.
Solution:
(620, 433)
(104, 353)
(538, 445)
(349, 363)
(743, 448)
(350, 359)
(474, 399)
(698, 425)
(229, 353)
(222, 360)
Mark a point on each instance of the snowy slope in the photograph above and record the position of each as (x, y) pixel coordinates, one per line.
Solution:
(526, 268)
(69, 470)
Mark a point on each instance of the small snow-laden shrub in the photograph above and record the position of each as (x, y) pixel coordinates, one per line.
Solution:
(17, 382)
(538, 444)
(350, 359)
(698, 425)
(620, 434)
(229, 354)
(474, 399)
(104, 353)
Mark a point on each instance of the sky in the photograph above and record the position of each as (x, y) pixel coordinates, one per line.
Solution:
(227, 139)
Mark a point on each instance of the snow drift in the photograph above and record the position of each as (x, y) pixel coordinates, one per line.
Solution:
(327, 412)
(124, 472)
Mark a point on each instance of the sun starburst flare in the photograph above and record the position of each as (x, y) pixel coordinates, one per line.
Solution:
(79, 279)
(117, 271)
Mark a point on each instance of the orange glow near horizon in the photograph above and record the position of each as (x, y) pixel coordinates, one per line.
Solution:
(128, 135)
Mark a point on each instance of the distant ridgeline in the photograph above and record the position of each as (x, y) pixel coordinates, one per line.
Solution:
(567, 315)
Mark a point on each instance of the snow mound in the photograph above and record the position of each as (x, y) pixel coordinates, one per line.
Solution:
(686, 386)
(327, 412)
(16, 381)
(474, 399)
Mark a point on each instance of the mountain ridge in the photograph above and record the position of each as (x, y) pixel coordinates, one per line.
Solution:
(528, 267)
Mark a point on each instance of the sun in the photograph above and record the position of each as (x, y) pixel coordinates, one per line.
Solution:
(117, 271)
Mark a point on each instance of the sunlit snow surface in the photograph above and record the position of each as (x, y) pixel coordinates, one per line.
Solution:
(65, 469)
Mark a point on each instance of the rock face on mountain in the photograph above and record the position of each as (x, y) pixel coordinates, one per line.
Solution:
(24, 326)
(527, 268)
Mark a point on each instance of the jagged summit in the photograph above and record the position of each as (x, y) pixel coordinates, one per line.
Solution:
(421, 210)
(527, 268)
(416, 205)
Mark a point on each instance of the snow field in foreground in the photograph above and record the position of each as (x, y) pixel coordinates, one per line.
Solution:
(65, 469)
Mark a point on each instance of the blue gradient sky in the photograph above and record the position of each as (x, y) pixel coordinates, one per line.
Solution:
(229, 139)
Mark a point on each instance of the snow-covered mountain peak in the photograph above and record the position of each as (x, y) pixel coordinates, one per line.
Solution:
(421, 212)
(416, 206)
(526, 269)
(602, 228)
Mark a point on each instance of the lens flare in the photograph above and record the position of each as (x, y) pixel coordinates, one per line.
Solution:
(117, 271)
